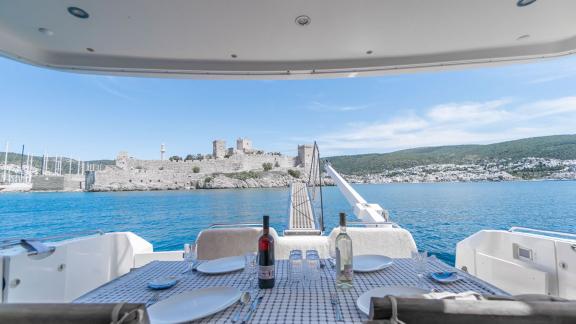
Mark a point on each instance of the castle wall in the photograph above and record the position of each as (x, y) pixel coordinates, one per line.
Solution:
(43, 182)
(73, 182)
(235, 163)
(160, 173)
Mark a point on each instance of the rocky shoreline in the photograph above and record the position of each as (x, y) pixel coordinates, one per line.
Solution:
(222, 183)
(216, 181)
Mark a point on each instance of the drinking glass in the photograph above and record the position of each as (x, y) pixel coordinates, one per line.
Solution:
(190, 256)
(420, 260)
(312, 266)
(295, 267)
(250, 267)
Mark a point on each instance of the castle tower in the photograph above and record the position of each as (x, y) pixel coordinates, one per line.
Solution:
(244, 145)
(218, 149)
(121, 161)
(305, 154)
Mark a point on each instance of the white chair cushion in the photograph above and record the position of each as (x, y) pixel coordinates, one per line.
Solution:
(214, 243)
(391, 242)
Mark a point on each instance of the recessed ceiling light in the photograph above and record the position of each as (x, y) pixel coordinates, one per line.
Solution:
(369, 52)
(89, 49)
(524, 3)
(303, 20)
(78, 13)
(45, 31)
(233, 56)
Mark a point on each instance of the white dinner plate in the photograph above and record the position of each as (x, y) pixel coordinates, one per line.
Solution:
(368, 263)
(223, 265)
(193, 305)
(363, 302)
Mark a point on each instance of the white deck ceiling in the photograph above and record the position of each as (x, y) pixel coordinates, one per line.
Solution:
(198, 38)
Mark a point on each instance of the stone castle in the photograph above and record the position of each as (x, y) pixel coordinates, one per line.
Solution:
(197, 171)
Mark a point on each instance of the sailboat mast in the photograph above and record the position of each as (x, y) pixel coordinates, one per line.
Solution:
(5, 162)
(22, 164)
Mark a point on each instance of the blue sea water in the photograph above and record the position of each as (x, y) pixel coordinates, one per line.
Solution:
(438, 214)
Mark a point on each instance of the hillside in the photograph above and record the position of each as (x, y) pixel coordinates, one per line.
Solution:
(561, 147)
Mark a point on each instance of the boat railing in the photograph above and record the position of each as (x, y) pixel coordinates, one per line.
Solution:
(372, 224)
(15, 241)
(527, 230)
(351, 224)
(229, 225)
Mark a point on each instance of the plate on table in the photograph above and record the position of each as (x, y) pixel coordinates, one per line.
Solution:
(162, 283)
(223, 265)
(193, 305)
(363, 302)
(369, 263)
(445, 277)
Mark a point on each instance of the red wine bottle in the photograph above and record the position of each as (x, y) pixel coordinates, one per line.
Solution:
(266, 256)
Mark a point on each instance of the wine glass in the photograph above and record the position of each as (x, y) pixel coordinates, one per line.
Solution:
(332, 254)
(250, 267)
(190, 257)
(420, 260)
(295, 267)
(312, 266)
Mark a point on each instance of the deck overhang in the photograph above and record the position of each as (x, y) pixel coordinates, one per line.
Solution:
(274, 39)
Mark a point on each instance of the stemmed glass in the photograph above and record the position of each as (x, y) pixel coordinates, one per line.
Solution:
(420, 260)
(190, 257)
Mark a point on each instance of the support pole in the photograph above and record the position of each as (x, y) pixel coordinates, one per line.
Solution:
(5, 162)
(43, 162)
(22, 165)
(28, 169)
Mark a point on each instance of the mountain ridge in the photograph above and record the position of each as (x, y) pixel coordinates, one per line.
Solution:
(561, 147)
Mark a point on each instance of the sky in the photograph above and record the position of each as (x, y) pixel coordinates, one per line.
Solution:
(94, 117)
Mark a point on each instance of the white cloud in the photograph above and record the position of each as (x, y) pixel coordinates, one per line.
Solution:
(456, 123)
(564, 105)
(472, 111)
(560, 73)
(111, 86)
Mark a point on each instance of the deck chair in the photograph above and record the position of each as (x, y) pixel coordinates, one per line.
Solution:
(74, 313)
(526, 309)
(214, 243)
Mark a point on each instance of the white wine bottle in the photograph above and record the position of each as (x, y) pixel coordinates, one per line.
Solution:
(344, 270)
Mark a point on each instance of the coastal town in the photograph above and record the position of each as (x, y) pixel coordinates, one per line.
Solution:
(500, 170)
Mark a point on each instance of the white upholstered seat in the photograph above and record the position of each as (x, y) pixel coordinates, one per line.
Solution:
(391, 242)
(214, 243)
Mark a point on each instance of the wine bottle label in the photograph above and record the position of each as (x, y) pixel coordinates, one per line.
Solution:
(266, 272)
(348, 272)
